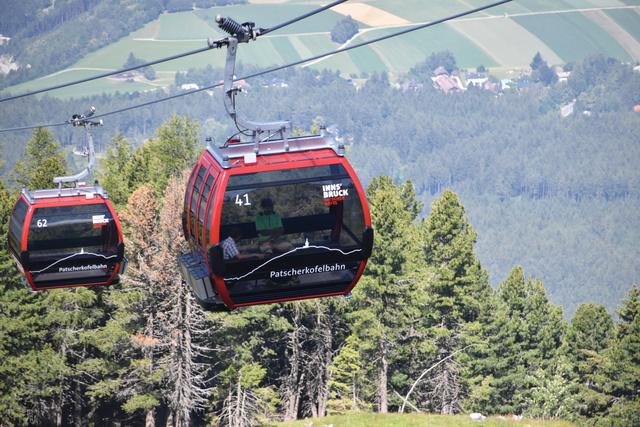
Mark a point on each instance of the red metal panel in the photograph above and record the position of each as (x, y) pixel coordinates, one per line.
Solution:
(268, 163)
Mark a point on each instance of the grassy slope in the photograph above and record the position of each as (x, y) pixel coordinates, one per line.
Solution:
(629, 21)
(422, 43)
(500, 42)
(415, 420)
(573, 36)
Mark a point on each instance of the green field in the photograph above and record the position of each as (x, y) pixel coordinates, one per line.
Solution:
(403, 51)
(427, 10)
(573, 36)
(628, 20)
(362, 419)
(90, 88)
(503, 38)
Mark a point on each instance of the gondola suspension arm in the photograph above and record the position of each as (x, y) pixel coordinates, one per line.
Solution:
(243, 33)
(82, 120)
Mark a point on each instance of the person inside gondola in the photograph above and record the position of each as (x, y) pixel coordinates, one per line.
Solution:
(229, 247)
(270, 229)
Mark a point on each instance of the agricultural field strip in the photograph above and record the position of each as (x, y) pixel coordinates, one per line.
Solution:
(370, 15)
(634, 8)
(475, 18)
(624, 39)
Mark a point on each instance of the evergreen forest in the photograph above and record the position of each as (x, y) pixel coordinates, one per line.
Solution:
(423, 331)
(558, 196)
(503, 279)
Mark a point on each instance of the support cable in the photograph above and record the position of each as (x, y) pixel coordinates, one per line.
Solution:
(291, 64)
(44, 125)
(211, 44)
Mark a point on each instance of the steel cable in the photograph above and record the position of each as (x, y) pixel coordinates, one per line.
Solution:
(415, 27)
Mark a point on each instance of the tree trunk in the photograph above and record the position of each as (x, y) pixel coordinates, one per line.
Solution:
(382, 379)
(354, 397)
(293, 389)
(323, 389)
(238, 416)
(150, 420)
(59, 403)
(77, 405)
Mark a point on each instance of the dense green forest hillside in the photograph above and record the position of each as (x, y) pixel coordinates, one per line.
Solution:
(556, 195)
(423, 331)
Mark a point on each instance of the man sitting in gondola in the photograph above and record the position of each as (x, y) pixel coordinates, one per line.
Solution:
(270, 229)
(230, 248)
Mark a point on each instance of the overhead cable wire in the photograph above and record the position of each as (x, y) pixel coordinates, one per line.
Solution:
(110, 73)
(211, 44)
(313, 58)
(302, 61)
(49, 125)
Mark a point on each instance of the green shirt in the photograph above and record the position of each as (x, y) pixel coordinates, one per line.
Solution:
(267, 221)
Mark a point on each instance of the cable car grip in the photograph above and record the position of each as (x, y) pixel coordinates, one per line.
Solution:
(81, 120)
(257, 129)
(242, 32)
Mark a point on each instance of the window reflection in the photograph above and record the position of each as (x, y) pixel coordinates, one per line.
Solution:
(62, 239)
(279, 233)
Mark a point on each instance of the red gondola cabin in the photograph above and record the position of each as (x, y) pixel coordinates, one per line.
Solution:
(288, 223)
(66, 237)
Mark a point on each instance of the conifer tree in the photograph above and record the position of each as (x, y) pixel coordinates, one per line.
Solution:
(383, 300)
(43, 160)
(9, 274)
(69, 314)
(345, 371)
(172, 151)
(537, 328)
(459, 289)
(247, 349)
(31, 389)
(114, 171)
(490, 363)
(587, 341)
(167, 155)
(624, 359)
(160, 366)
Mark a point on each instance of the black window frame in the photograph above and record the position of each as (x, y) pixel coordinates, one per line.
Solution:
(196, 192)
(16, 226)
(207, 189)
(209, 214)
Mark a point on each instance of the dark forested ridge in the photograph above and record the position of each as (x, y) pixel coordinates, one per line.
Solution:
(556, 195)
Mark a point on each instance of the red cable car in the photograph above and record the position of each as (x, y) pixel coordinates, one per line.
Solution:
(289, 223)
(271, 220)
(67, 237)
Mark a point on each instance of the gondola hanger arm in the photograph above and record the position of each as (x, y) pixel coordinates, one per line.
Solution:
(82, 120)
